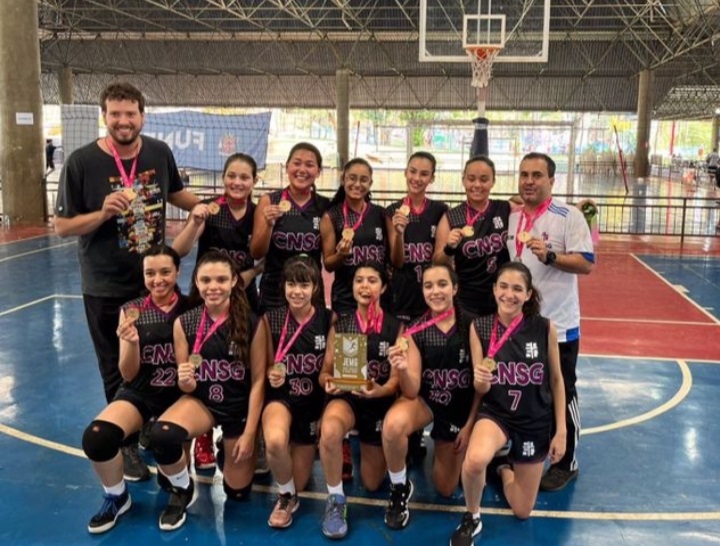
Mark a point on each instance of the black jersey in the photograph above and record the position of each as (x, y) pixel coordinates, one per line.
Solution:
(223, 380)
(231, 237)
(303, 361)
(520, 394)
(295, 232)
(158, 369)
(447, 378)
(378, 367)
(369, 243)
(419, 245)
(478, 257)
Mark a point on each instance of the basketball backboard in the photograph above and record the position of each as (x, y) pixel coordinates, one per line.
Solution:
(521, 27)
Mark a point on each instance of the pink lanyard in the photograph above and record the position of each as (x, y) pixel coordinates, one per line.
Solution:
(425, 325)
(470, 221)
(126, 180)
(374, 322)
(529, 222)
(200, 339)
(148, 301)
(359, 220)
(496, 345)
(282, 350)
(408, 202)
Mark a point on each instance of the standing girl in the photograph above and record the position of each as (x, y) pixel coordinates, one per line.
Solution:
(147, 365)
(353, 230)
(435, 374)
(294, 399)
(363, 409)
(287, 222)
(225, 224)
(474, 235)
(221, 354)
(517, 374)
(412, 227)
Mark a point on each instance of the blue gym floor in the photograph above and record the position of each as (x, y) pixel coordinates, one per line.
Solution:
(649, 455)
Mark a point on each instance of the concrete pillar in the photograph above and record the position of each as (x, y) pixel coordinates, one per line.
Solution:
(65, 85)
(342, 85)
(22, 150)
(644, 115)
(715, 140)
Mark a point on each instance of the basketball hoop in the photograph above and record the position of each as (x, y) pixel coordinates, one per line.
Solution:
(482, 58)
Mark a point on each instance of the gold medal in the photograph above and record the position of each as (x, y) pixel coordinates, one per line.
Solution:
(280, 367)
(133, 313)
(468, 231)
(348, 233)
(403, 343)
(404, 210)
(213, 207)
(524, 236)
(488, 364)
(195, 359)
(130, 194)
(285, 205)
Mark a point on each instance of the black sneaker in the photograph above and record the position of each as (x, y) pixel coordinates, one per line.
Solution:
(556, 479)
(134, 468)
(113, 507)
(174, 514)
(397, 514)
(466, 532)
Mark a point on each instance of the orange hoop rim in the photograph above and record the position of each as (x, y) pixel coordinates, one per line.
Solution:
(483, 51)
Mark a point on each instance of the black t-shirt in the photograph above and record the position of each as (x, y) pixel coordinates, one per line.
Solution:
(369, 243)
(419, 245)
(232, 237)
(295, 232)
(110, 257)
(478, 257)
(519, 395)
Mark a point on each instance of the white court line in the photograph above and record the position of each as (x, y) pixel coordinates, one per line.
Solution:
(679, 396)
(651, 321)
(555, 514)
(22, 255)
(645, 358)
(16, 241)
(41, 300)
(668, 283)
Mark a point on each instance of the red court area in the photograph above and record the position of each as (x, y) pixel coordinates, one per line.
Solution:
(627, 310)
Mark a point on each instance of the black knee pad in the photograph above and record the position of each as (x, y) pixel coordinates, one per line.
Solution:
(238, 495)
(166, 441)
(101, 440)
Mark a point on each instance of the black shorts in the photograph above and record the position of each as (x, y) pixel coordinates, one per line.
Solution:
(444, 430)
(369, 417)
(232, 427)
(304, 422)
(149, 405)
(525, 446)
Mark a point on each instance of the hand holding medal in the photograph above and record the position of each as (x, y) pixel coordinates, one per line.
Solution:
(127, 331)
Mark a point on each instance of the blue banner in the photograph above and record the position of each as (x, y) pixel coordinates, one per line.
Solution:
(204, 141)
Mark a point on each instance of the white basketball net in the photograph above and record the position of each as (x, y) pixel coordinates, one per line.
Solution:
(482, 58)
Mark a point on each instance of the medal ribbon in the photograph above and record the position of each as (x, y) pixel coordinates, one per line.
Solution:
(375, 319)
(282, 350)
(346, 224)
(200, 339)
(148, 301)
(496, 345)
(408, 202)
(529, 222)
(425, 325)
(127, 180)
(470, 221)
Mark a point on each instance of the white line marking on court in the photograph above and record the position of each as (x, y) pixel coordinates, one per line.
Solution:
(35, 251)
(663, 279)
(16, 241)
(556, 514)
(41, 300)
(680, 288)
(679, 396)
(645, 358)
(650, 321)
